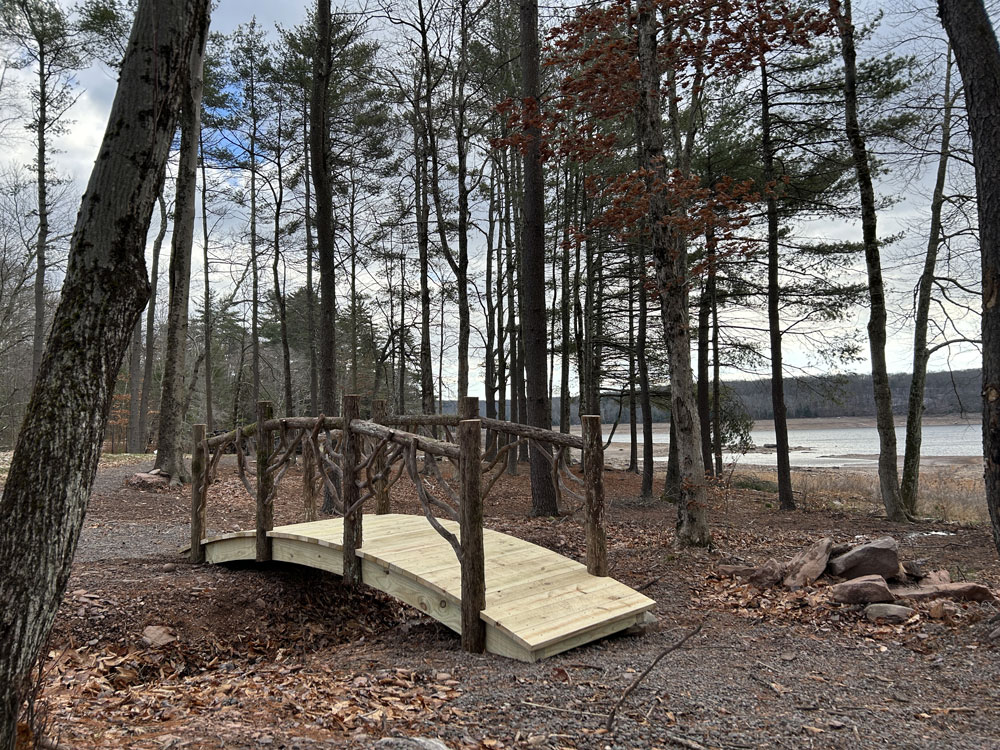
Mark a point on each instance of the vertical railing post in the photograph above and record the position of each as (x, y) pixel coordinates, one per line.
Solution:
(593, 463)
(473, 557)
(265, 482)
(351, 493)
(308, 478)
(199, 493)
(380, 411)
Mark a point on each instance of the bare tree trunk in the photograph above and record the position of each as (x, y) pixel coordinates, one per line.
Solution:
(644, 400)
(209, 415)
(670, 258)
(785, 497)
(310, 248)
(888, 472)
(42, 240)
(319, 151)
(543, 498)
(423, 250)
(910, 481)
(135, 442)
(171, 440)
(704, 407)
(149, 349)
(55, 460)
(716, 380)
(978, 55)
(279, 288)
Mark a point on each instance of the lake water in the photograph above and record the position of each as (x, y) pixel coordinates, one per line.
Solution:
(848, 446)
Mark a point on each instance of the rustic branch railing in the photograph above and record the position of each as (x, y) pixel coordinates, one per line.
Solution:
(356, 460)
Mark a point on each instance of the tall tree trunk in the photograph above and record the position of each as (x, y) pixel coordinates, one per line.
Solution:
(633, 427)
(171, 438)
(716, 380)
(42, 240)
(209, 414)
(888, 472)
(543, 498)
(421, 188)
(279, 287)
(150, 349)
(978, 55)
(310, 250)
(644, 400)
(135, 443)
(704, 406)
(55, 459)
(910, 481)
(785, 497)
(319, 151)
(670, 258)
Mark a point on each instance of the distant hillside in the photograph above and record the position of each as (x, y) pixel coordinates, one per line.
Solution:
(828, 396)
(851, 396)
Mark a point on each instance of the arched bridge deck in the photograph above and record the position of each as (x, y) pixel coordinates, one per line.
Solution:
(538, 603)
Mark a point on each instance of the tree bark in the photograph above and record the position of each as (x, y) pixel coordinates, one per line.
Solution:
(207, 310)
(171, 438)
(150, 348)
(533, 314)
(135, 442)
(42, 240)
(888, 472)
(786, 499)
(319, 151)
(978, 55)
(910, 481)
(55, 460)
(670, 258)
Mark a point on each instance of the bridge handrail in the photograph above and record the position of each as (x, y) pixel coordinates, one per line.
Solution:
(389, 446)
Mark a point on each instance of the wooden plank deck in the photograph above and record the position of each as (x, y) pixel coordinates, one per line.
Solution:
(538, 603)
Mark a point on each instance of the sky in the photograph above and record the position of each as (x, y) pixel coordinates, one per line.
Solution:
(78, 148)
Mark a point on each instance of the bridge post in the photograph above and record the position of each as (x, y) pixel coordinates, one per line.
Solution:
(265, 482)
(380, 411)
(199, 493)
(351, 493)
(593, 467)
(473, 557)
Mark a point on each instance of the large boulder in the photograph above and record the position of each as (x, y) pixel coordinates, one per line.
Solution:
(767, 575)
(862, 590)
(878, 558)
(808, 564)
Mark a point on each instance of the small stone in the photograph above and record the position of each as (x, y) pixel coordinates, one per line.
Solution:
(767, 575)
(893, 613)
(862, 591)
(169, 568)
(409, 743)
(943, 609)
(808, 564)
(916, 568)
(260, 603)
(880, 558)
(155, 636)
(995, 635)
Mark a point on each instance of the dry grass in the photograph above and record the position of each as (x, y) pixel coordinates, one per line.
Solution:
(949, 493)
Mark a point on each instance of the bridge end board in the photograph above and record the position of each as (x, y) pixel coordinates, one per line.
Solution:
(240, 545)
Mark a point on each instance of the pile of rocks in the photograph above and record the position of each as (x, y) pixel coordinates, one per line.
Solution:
(862, 575)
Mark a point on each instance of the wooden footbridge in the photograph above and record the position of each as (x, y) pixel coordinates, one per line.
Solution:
(502, 594)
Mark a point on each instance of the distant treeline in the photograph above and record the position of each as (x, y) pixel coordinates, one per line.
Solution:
(827, 396)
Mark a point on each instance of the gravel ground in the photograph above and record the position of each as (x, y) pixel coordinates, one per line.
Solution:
(283, 657)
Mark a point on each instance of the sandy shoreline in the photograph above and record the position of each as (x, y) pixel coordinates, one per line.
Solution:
(617, 453)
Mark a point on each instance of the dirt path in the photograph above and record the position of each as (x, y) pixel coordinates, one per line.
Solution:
(280, 657)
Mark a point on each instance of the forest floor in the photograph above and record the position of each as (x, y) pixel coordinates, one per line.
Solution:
(280, 657)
